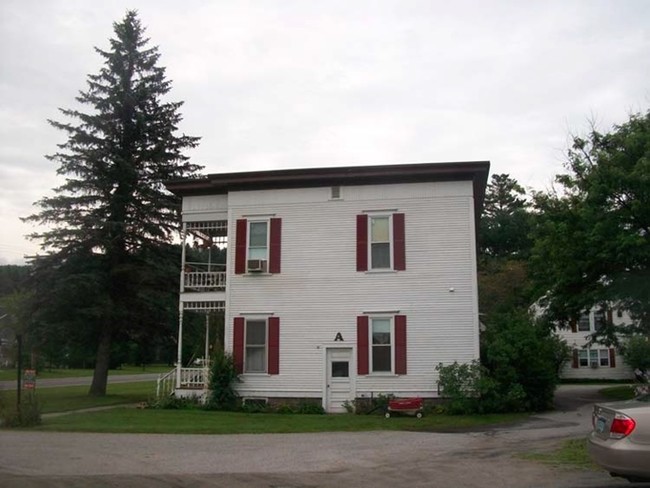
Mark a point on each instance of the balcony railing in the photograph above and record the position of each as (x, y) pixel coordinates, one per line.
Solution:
(203, 280)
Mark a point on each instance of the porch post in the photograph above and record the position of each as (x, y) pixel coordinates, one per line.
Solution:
(179, 359)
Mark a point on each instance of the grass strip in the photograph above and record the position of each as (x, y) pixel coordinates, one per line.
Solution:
(614, 393)
(571, 453)
(197, 421)
(66, 398)
(10, 374)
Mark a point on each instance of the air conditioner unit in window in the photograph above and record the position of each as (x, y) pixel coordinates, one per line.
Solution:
(256, 265)
(594, 364)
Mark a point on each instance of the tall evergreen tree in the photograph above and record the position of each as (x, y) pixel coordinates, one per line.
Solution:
(113, 209)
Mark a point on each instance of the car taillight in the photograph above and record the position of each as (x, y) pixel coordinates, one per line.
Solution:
(622, 426)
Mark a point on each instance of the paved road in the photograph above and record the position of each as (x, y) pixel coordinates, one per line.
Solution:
(82, 381)
(336, 460)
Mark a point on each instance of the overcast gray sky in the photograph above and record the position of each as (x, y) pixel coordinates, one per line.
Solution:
(274, 84)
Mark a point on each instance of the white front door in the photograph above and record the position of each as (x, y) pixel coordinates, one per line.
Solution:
(338, 384)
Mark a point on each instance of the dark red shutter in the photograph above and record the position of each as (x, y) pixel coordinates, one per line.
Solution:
(399, 244)
(275, 241)
(400, 344)
(610, 317)
(574, 362)
(362, 344)
(574, 325)
(274, 345)
(362, 242)
(238, 344)
(240, 246)
(612, 358)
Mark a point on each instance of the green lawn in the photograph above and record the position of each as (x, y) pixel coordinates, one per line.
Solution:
(76, 397)
(10, 374)
(196, 421)
(131, 420)
(614, 393)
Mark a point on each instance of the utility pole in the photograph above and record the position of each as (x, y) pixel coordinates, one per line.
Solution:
(19, 372)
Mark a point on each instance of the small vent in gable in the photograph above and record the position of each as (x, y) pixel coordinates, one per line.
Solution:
(335, 193)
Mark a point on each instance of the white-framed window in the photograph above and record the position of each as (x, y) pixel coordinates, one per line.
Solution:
(591, 358)
(255, 346)
(380, 242)
(258, 239)
(381, 344)
(584, 324)
(600, 317)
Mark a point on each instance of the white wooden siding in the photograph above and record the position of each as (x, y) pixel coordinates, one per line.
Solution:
(319, 292)
(576, 340)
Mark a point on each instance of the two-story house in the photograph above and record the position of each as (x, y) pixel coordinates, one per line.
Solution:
(591, 360)
(339, 283)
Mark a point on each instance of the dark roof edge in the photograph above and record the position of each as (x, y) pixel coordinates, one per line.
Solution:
(220, 183)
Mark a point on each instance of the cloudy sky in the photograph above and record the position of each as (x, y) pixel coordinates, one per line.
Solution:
(272, 84)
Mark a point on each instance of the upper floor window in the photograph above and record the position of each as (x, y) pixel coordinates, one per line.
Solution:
(584, 323)
(258, 245)
(258, 241)
(381, 242)
(599, 319)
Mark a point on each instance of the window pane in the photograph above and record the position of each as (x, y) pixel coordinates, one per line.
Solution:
(583, 322)
(381, 358)
(604, 357)
(381, 331)
(380, 255)
(599, 319)
(340, 369)
(584, 357)
(255, 333)
(593, 355)
(258, 234)
(257, 253)
(255, 359)
(379, 229)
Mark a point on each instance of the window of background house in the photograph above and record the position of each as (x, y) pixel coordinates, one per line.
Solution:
(583, 358)
(255, 360)
(604, 357)
(258, 240)
(583, 323)
(380, 242)
(381, 345)
(599, 319)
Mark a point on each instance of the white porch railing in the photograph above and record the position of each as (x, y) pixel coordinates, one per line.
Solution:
(195, 378)
(204, 280)
(191, 379)
(165, 384)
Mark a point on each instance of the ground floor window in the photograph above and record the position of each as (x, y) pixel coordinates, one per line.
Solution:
(593, 358)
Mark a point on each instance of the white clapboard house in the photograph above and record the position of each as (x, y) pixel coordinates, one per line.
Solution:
(590, 360)
(339, 283)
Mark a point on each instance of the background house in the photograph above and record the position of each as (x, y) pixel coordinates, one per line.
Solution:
(594, 361)
(339, 283)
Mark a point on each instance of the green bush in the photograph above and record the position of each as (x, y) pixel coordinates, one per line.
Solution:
(636, 351)
(222, 383)
(518, 370)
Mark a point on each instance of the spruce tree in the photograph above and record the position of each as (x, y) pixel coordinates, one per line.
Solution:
(113, 211)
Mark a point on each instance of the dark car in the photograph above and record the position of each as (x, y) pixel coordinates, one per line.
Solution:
(620, 440)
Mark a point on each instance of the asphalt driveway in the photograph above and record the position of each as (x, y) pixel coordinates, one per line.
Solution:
(377, 459)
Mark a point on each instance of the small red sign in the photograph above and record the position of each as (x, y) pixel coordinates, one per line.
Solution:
(29, 379)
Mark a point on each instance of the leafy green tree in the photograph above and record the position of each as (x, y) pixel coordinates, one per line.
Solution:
(592, 244)
(636, 352)
(112, 209)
